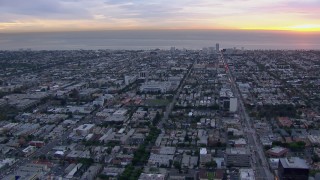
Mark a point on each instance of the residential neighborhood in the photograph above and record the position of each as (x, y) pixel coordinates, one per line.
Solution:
(156, 114)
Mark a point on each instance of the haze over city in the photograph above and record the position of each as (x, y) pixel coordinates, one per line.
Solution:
(159, 90)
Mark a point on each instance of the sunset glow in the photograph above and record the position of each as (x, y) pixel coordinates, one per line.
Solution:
(81, 15)
(306, 27)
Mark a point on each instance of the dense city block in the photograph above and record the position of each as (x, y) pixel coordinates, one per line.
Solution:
(160, 114)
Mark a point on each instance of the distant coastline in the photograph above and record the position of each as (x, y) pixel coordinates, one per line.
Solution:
(163, 39)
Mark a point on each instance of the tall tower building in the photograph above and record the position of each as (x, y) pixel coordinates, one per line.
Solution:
(217, 47)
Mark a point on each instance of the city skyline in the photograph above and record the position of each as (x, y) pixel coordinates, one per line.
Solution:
(80, 15)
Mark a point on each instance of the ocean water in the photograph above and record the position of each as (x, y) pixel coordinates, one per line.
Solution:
(163, 39)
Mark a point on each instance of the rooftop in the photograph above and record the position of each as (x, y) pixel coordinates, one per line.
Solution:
(277, 150)
(294, 162)
(247, 174)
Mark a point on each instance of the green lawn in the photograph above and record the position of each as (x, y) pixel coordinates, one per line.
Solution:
(210, 175)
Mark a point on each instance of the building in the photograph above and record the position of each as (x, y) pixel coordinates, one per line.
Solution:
(204, 159)
(233, 104)
(118, 116)
(112, 171)
(129, 79)
(29, 150)
(277, 151)
(167, 150)
(84, 129)
(160, 160)
(189, 161)
(37, 144)
(227, 100)
(238, 157)
(274, 163)
(155, 87)
(145, 176)
(73, 171)
(246, 174)
(29, 171)
(7, 162)
(241, 142)
(137, 139)
(285, 122)
(217, 47)
(293, 168)
(92, 172)
(144, 75)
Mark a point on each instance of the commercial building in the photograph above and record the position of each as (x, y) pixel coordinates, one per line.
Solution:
(238, 157)
(155, 87)
(293, 168)
(277, 151)
(227, 100)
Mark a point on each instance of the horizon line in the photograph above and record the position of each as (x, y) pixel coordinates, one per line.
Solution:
(170, 29)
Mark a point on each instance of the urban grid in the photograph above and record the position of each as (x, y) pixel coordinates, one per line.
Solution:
(175, 114)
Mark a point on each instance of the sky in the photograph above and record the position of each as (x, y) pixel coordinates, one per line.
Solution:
(84, 15)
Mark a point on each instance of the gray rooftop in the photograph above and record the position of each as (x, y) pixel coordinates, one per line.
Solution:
(294, 162)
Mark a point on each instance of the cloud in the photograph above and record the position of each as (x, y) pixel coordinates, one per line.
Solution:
(113, 14)
(41, 9)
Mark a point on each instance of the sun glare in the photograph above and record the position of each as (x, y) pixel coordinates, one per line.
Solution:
(297, 28)
(305, 27)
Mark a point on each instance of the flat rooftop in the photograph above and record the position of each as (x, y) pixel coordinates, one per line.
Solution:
(294, 162)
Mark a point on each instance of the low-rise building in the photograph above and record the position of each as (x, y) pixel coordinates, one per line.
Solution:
(84, 129)
(238, 157)
(29, 150)
(92, 172)
(145, 176)
(246, 174)
(160, 160)
(277, 151)
(112, 171)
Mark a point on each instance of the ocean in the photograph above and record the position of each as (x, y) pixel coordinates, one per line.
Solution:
(162, 39)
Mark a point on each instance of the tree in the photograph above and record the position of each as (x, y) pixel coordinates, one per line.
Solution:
(211, 164)
(86, 161)
(177, 165)
(297, 146)
(186, 138)
(74, 93)
(102, 176)
(156, 119)
(30, 137)
(42, 157)
(315, 158)
(130, 172)
(109, 150)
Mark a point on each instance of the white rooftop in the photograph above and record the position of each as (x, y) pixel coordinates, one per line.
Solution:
(203, 151)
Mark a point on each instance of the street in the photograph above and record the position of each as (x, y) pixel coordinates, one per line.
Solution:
(259, 162)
